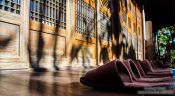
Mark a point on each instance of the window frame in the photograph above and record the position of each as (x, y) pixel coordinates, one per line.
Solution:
(51, 13)
(85, 19)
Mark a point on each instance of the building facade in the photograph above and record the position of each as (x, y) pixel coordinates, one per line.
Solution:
(68, 33)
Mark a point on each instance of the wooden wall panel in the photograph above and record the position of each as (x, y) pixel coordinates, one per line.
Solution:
(14, 36)
(84, 54)
(9, 40)
(48, 48)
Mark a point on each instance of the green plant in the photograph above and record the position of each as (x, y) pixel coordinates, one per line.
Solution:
(164, 35)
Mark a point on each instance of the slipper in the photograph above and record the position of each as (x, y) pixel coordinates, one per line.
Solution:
(167, 70)
(136, 74)
(143, 71)
(114, 75)
(158, 69)
(150, 71)
(160, 64)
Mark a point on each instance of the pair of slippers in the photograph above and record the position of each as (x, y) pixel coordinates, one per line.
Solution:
(151, 68)
(116, 74)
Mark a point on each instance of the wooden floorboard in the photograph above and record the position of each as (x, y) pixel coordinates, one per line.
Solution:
(61, 83)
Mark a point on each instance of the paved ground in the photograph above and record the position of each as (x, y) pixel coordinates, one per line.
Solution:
(61, 83)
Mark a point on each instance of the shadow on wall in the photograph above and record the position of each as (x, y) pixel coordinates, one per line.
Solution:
(55, 55)
(4, 41)
(105, 49)
(116, 28)
(78, 48)
(120, 42)
(104, 55)
(74, 52)
(114, 35)
(35, 61)
(131, 53)
(125, 47)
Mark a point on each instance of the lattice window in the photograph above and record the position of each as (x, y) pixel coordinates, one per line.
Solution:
(85, 18)
(104, 3)
(12, 6)
(133, 11)
(51, 12)
(125, 31)
(105, 27)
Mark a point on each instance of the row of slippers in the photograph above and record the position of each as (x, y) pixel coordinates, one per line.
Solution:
(130, 74)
